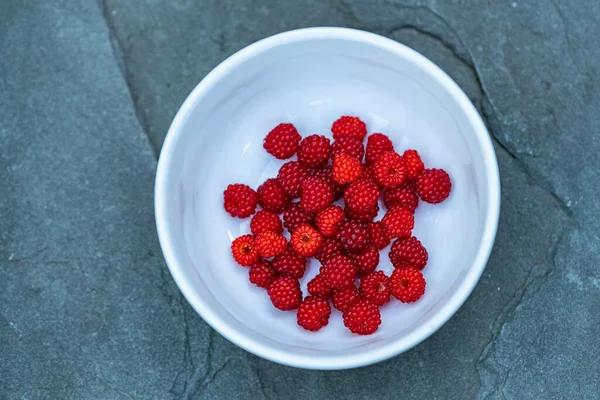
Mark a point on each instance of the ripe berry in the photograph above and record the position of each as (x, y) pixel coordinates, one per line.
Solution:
(306, 240)
(317, 287)
(285, 293)
(347, 126)
(339, 272)
(433, 185)
(361, 195)
(327, 220)
(265, 221)
(262, 274)
(366, 261)
(349, 145)
(403, 196)
(330, 248)
(283, 141)
(325, 173)
(414, 164)
(408, 284)
(272, 197)
(244, 250)
(269, 244)
(313, 313)
(375, 287)
(398, 222)
(295, 216)
(353, 236)
(346, 168)
(369, 173)
(377, 143)
(390, 169)
(364, 216)
(363, 317)
(290, 177)
(408, 251)
(240, 200)
(316, 194)
(378, 235)
(342, 299)
(290, 264)
(314, 151)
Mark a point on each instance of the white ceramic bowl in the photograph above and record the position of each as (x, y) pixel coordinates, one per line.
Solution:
(310, 77)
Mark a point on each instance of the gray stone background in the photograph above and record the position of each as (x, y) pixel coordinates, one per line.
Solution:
(88, 309)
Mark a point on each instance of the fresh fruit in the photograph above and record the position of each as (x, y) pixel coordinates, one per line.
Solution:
(306, 240)
(378, 236)
(390, 169)
(377, 143)
(294, 216)
(330, 248)
(265, 221)
(240, 200)
(403, 196)
(433, 185)
(272, 197)
(414, 164)
(290, 177)
(313, 313)
(364, 216)
(282, 141)
(408, 284)
(348, 126)
(398, 222)
(369, 173)
(339, 272)
(366, 261)
(362, 195)
(314, 151)
(316, 194)
(349, 145)
(285, 293)
(317, 287)
(342, 299)
(325, 173)
(346, 168)
(375, 287)
(269, 244)
(408, 251)
(244, 250)
(362, 317)
(262, 274)
(327, 220)
(353, 235)
(290, 264)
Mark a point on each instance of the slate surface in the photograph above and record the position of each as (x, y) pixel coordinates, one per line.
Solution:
(87, 307)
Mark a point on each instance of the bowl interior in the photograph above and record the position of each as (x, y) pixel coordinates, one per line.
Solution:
(310, 81)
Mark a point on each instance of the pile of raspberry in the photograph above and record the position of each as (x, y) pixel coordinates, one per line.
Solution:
(344, 238)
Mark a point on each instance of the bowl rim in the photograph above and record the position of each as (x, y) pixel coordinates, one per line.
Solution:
(347, 360)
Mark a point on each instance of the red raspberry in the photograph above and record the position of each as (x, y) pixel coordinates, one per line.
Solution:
(375, 287)
(364, 216)
(317, 287)
(262, 274)
(399, 222)
(244, 250)
(330, 248)
(363, 317)
(285, 293)
(408, 284)
(270, 244)
(326, 174)
(314, 151)
(349, 145)
(295, 216)
(240, 200)
(366, 261)
(327, 220)
(342, 299)
(378, 235)
(353, 236)
(347, 126)
(377, 143)
(313, 313)
(290, 177)
(283, 141)
(316, 194)
(390, 169)
(346, 169)
(414, 164)
(290, 264)
(265, 221)
(403, 196)
(433, 185)
(369, 173)
(306, 240)
(272, 197)
(408, 251)
(339, 272)
(361, 195)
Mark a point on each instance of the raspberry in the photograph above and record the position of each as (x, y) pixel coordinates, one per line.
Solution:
(240, 200)
(326, 174)
(364, 216)
(327, 220)
(285, 293)
(403, 196)
(414, 164)
(269, 244)
(330, 248)
(398, 222)
(362, 317)
(390, 169)
(408, 251)
(346, 169)
(314, 151)
(317, 287)
(377, 143)
(265, 221)
(347, 126)
(316, 194)
(366, 261)
(369, 173)
(349, 145)
(378, 235)
(295, 216)
(342, 299)
(433, 185)
(339, 272)
(375, 287)
(272, 197)
(313, 313)
(290, 264)
(408, 284)
(244, 250)
(283, 141)
(353, 236)
(262, 274)
(306, 240)
(361, 195)
(290, 177)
